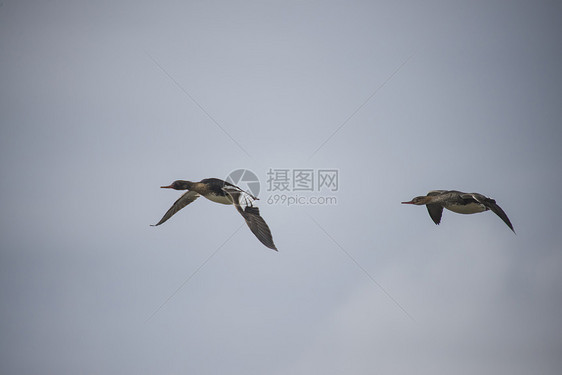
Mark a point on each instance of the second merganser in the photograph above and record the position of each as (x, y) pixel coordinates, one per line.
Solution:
(459, 202)
(223, 192)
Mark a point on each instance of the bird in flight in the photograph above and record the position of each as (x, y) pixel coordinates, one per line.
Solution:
(223, 192)
(459, 202)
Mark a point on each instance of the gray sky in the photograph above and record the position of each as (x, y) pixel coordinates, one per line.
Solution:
(103, 102)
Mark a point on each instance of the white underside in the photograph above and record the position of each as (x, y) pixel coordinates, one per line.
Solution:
(470, 208)
(219, 199)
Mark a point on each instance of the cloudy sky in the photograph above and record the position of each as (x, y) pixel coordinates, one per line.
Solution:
(103, 102)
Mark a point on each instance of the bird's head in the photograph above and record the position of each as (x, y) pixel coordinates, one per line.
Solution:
(418, 201)
(179, 185)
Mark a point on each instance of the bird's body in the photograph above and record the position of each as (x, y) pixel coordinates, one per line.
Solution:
(213, 190)
(459, 202)
(222, 192)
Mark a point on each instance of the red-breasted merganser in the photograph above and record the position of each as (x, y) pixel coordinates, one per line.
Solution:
(224, 192)
(459, 202)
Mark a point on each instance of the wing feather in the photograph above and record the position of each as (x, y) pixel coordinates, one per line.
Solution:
(435, 211)
(251, 215)
(183, 201)
(491, 204)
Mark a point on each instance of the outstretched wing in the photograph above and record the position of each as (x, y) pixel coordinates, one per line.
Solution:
(493, 206)
(498, 211)
(257, 225)
(183, 201)
(435, 211)
(251, 215)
